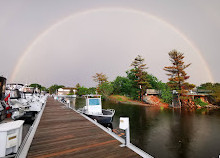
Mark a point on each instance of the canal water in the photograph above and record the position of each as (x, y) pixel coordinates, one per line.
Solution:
(169, 133)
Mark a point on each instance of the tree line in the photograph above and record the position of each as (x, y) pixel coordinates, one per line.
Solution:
(138, 80)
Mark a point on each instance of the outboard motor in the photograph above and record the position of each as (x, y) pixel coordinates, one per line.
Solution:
(2, 96)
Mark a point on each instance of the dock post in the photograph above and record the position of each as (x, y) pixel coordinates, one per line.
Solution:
(68, 103)
(127, 135)
(124, 124)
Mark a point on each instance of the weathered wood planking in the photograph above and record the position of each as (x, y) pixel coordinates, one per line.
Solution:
(66, 134)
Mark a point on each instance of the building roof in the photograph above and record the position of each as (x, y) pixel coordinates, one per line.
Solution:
(68, 88)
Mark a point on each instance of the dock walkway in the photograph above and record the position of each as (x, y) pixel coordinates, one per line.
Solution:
(64, 133)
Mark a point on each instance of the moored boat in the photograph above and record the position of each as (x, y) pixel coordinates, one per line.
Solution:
(93, 109)
(2, 96)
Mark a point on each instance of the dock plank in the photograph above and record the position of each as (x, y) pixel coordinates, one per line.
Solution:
(64, 133)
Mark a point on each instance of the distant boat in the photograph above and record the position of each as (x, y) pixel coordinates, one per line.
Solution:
(93, 109)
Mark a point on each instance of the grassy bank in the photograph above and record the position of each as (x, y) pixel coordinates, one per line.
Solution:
(125, 100)
(153, 101)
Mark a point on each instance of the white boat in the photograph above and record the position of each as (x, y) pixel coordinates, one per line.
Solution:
(25, 102)
(2, 96)
(93, 109)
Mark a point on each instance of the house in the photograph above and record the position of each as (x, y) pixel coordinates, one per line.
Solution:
(152, 92)
(66, 91)
(199, 94)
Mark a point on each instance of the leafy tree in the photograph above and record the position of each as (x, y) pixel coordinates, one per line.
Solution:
(77, 85)
(135, 88)
(125, 86)
(82, 91)
(53, 89)
(91, 90)
(153, 81)
(217, 93)
(106, 88)
(40, 87)
(35, 85)
(165, 92)
(100, 78)
(206, 86)
(177, 73)
(44, 89)
(140, 75)
(214, 88)
(102, 83)
(121, 85)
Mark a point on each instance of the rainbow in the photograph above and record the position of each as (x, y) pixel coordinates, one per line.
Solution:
(82, 13)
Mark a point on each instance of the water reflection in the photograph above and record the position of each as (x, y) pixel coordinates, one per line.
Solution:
(172, 133)
(169, 133)
(181, 133)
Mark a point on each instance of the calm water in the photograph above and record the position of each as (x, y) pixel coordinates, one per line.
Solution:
(169, 133)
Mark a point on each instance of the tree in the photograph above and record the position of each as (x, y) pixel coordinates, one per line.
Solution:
(53, 89)
(178, 77)
(177, 73)
(217, 93)
(77, 85)
(35, 85)
(71, 92)
(44, 89)
(91, 90)
(106, 89)
(140, 75)
(82, 91)
(124, 86)
(135, 88)
(214, 89)
(100, 78)
(206, 86)
(40, 87)
(165, 93)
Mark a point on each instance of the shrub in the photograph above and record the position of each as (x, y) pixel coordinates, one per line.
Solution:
(198, 101)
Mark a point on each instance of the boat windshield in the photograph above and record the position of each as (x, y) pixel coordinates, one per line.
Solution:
(94, 101)
(15, 94)
(28, 90)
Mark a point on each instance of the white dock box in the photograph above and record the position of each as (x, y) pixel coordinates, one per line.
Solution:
(124, 123)
(10, 137)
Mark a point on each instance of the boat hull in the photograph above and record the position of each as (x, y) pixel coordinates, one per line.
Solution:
(106, 118)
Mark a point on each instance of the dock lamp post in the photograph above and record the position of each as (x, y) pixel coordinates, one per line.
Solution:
(124, 124)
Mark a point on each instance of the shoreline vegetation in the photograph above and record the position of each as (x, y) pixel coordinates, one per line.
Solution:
(154, 102)
(146, 89)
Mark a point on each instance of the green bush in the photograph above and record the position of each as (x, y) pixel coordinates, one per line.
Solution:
(165, 92)
(198, 101)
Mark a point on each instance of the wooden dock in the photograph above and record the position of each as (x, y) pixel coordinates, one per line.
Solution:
(64, 133)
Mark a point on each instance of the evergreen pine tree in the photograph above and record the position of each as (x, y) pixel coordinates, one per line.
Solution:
(140, 75)
(178, 76)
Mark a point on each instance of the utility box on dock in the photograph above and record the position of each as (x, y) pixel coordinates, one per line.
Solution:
(10, 137)
(124, 123)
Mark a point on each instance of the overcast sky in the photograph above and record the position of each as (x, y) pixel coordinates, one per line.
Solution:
(68, 41)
